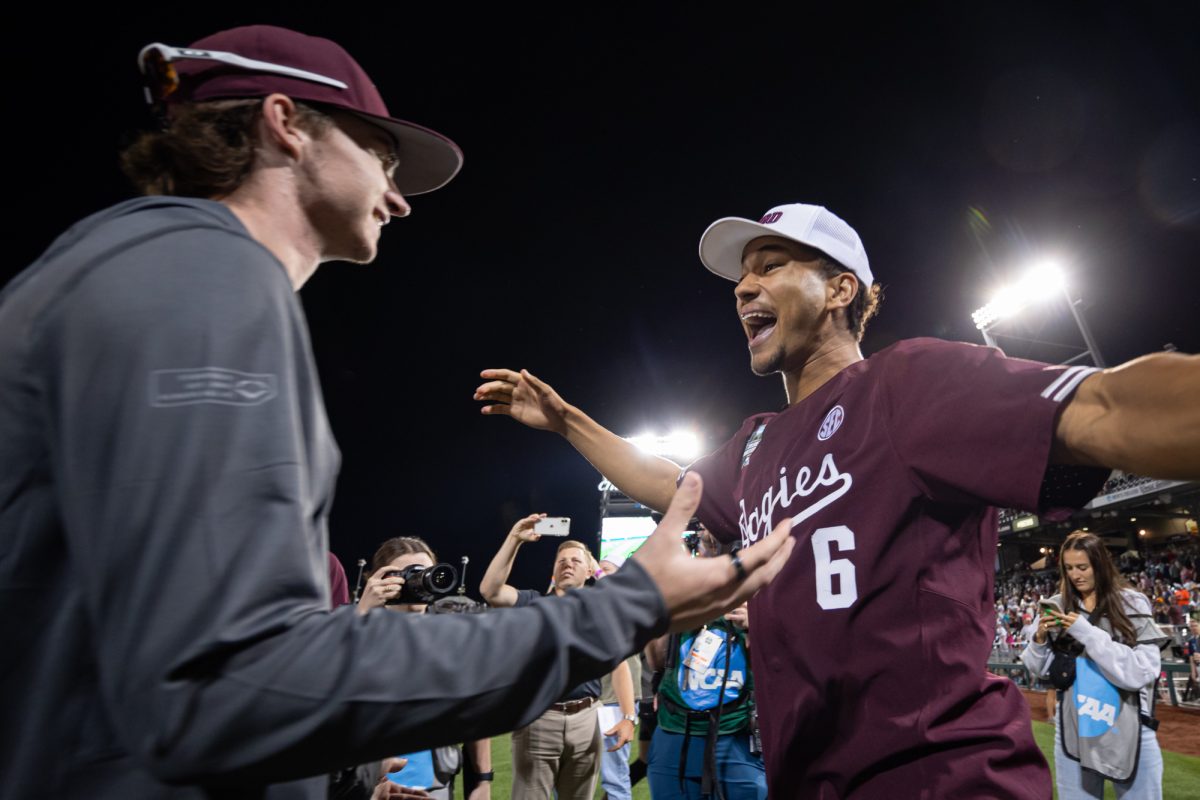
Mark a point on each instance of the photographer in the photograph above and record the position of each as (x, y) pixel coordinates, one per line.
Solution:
(385, 589)
(385, 586)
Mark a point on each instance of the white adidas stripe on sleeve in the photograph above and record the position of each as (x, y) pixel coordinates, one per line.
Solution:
(1066, 382)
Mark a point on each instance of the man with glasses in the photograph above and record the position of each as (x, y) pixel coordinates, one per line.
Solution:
(168, 469)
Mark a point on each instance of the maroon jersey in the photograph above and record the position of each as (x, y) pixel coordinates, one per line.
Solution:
(870, 647)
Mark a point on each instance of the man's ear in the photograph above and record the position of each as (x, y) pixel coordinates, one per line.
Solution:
(841, 290)
(279, 125)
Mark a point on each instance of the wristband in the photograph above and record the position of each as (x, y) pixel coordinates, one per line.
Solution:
(484, 776)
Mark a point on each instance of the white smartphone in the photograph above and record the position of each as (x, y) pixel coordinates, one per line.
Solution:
(553, 526)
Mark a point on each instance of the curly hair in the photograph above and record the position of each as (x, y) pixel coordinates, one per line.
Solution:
(206, 149)
(865, 304)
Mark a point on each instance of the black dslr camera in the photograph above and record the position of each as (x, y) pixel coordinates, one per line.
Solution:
(423, 584)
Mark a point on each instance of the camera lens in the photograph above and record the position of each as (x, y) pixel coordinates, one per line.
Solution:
(441, 578)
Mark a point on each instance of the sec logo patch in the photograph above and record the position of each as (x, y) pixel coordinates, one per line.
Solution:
(833, 421)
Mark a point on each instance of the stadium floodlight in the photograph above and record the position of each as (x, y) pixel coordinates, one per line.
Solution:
(1043, 280)
(1040, 282)
(683, 445)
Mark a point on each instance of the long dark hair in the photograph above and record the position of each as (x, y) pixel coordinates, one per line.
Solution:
(1109, 584)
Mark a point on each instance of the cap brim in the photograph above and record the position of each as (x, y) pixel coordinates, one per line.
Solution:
(723, 242)
(428, 160)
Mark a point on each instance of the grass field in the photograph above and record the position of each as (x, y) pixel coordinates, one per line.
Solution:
(1181, 774)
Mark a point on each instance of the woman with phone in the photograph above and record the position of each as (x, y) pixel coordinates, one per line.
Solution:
(1098, 644)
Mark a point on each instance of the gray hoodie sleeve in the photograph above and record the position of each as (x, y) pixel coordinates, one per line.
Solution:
(1036, 658)
(1127, 667)
(195, 467)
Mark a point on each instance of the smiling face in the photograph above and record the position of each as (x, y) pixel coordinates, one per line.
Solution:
(1077, 568)
(348, 193)
(786, 304)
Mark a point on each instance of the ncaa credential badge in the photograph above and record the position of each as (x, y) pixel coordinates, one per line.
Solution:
(833, 421)
(228, 387)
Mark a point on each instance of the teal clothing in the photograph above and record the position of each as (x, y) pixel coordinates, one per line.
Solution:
(685, 688)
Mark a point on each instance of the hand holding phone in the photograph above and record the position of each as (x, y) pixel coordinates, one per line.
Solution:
(1050, 609)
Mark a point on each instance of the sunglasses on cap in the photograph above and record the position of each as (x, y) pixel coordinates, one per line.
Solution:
(162, 80)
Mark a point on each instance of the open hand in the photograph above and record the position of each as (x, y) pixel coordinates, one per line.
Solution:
(623, 730)
(523, 530)
(524, 398)
(698, 590)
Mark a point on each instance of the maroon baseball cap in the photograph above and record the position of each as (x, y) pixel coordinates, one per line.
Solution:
(322, 72)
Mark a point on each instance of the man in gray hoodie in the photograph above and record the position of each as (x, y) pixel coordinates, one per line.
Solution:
(167, 469)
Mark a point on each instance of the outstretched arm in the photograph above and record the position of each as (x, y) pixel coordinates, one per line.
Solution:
(646, 478)
(494, 586)
(1141, 417)
(252, 678)
(321, 689)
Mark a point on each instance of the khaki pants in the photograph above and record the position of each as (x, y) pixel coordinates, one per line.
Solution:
(557, 752)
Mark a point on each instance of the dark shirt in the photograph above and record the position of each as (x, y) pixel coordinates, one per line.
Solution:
(590, 688)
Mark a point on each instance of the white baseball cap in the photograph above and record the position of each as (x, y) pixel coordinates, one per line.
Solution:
(616, 559)
(722, 244)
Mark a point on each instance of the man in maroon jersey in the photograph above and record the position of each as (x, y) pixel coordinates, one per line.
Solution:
(871, 646)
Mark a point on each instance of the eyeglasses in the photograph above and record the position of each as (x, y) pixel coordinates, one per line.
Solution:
(162, 80)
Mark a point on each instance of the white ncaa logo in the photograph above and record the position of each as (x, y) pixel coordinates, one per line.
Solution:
(833, 421)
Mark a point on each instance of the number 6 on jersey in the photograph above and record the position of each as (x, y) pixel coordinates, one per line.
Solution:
(843, 568)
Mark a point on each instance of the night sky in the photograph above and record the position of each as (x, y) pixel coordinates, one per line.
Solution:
(961, 142)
